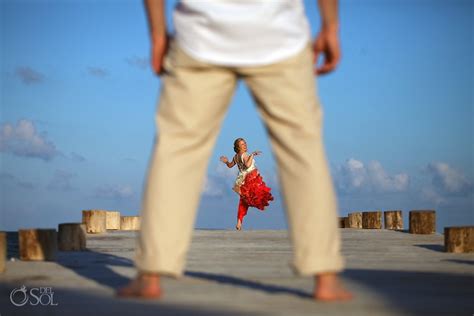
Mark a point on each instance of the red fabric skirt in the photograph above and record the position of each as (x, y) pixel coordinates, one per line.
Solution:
(254, 192)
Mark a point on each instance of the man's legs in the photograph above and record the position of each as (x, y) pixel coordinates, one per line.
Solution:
(288, 103)
(193, 102)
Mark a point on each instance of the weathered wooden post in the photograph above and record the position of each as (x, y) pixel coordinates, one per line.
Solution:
(130, 222)
(71, 236)
(112, 220)
(95, 221)
(372, 220)
(3, 250)
(422, 222)
(355, 220)
(393, 220)
(343, 222)
(459, 239)
(38, 244)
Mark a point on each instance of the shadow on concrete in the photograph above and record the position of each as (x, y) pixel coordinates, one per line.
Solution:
(252, 285)
(420, 293)
(94, 265)
(471, 262)
(406, 231)
(74, 303)
(437, 248)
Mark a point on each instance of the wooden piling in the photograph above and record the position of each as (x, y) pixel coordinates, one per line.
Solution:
(355, 220)
(459, 239)
(112, 220)
(343, 222)
(71, 236)
(422, 222)
(372, 220)
(95, 221)
(130, 222)
(38, 244)
(393, 220)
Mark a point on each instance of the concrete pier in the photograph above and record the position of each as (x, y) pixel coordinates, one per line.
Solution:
(247, 273)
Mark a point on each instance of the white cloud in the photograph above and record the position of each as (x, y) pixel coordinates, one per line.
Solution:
(219, 182)
(447, 184)
(115, 192)
(381, 181)
(225, 172)
(351, 175)
(430, 194)
(24, 140)
(212, 187)
(448, 181)
(354, 176)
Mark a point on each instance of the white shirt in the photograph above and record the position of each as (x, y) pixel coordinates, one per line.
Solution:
(241, 32)
(243, 170)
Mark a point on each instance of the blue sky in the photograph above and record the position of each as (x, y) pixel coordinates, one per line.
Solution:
(78, 100)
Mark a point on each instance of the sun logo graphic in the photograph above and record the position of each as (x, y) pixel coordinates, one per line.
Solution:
(42, 295)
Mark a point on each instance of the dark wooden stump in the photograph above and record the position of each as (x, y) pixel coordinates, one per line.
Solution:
(422, 222)
(343, 222)
(3, 250)
(71, 236)
(38, 244)
(393, 220)
(372, 220)
(459, 239)
(95, 221)
(355, 220)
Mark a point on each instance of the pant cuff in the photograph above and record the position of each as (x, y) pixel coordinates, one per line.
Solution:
(319, 266)
(150, 265)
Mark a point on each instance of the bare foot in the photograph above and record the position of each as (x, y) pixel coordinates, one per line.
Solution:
(145, 285)
(328, 288)
(239, 225)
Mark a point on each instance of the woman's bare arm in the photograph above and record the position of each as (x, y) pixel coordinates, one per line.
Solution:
(249, 158)
(226, 161)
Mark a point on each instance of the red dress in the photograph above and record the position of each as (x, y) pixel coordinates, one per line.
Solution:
(253, 191)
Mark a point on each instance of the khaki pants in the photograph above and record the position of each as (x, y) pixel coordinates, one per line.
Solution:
(193, 101)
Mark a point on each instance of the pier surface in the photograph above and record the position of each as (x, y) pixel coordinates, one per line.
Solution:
(247, 273)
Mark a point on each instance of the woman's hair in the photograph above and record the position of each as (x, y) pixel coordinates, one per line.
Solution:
(236, 144)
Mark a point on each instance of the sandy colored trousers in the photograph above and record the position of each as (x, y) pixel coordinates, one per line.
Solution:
(193, 102)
